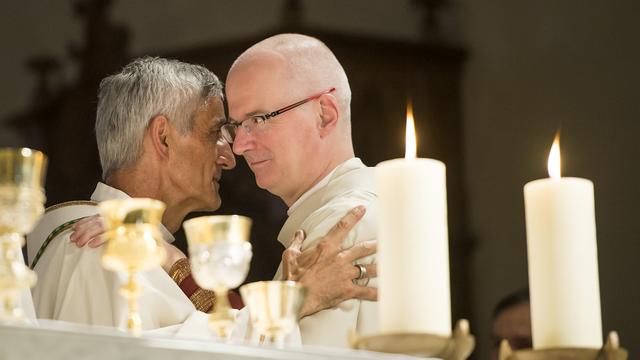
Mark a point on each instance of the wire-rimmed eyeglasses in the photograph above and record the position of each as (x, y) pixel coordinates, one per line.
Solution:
(230, 129)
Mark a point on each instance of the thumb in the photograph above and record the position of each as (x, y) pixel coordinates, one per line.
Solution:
(298, 239)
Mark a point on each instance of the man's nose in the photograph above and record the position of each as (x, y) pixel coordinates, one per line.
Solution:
(242, 142)
(226, 159)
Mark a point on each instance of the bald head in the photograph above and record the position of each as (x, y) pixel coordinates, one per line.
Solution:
(289, 77)
(306, 61)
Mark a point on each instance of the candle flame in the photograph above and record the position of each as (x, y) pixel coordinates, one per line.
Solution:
(554, 164)
(410, 135)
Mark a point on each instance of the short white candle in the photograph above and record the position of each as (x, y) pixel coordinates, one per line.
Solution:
(563, 260)
(413, 251)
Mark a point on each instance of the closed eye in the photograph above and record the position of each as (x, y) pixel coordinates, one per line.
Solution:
(257, 119)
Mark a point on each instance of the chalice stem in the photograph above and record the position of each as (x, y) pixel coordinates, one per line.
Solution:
(273, 338)
(222, 317)
(14, 277)
(222, 301)
(131, 291)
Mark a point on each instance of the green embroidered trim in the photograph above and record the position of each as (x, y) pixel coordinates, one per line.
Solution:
(52, 236)
(71, 203)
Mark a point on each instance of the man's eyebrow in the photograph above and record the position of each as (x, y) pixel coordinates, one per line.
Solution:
(255, 113)
(220, 121)
(249, 115)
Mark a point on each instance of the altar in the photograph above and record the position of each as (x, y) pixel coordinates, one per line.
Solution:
(62, 341)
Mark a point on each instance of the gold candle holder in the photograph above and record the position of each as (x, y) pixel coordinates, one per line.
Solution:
(457, 347)
(610, 351)
(22, 174)
(274, 307)
(219, 254)
(133, 245)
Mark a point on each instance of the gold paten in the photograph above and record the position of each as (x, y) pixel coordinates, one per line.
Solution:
(22, 175)
(457, 347)
(133, 245)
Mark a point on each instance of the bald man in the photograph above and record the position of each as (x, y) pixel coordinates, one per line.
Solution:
(289, 117)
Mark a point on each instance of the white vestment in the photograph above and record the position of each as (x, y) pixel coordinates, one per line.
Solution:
(26, 304)
(74, 287)
(316, 212)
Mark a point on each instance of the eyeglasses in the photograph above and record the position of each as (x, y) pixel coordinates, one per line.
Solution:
(229, 130)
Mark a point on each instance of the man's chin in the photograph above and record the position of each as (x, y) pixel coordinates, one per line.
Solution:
(265, 183)
(211, 204)
(210, 208)
(214, 205)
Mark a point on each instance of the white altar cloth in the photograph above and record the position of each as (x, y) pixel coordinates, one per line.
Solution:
(62, 341)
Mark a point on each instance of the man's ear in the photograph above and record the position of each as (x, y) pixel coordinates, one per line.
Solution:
(329, 114)
(158, 134)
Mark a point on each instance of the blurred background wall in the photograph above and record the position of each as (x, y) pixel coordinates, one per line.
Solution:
(492, 81)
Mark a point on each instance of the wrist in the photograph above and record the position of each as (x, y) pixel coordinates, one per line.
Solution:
(309, 307)
(173, 255)
(306, 310)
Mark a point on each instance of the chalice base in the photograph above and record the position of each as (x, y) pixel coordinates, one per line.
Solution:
(610, 351)
(457, 347)
(11, 313)
(222, 323)
(273, 337)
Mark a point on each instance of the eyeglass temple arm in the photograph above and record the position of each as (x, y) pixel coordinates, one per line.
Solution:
(287, 108)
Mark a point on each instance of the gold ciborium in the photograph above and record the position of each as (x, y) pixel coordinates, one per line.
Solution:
(22, 174)
(274, 307)
(133, 245)
(219, 253)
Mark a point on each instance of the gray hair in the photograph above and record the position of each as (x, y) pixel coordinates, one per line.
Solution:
(145, 88)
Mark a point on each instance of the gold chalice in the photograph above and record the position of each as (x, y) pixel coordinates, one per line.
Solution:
(133, 245)
(219, 254)
(22, 174)
(274, 307)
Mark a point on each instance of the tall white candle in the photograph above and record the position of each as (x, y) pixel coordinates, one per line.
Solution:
(563, 260)
(413, 251)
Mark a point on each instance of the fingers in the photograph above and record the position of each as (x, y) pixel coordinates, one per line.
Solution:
(288, 264)
(88, 229)
(339, 231)
(291, 254)
(360, 250)
(298, 239)
(309, 257)
(365, 293)
(97, 241)
(293, 251)
(86, 220)
(92, 231)
(371, 271)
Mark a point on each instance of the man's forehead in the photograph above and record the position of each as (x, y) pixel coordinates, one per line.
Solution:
(212, 111)
(255, 87)
(254, 67)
